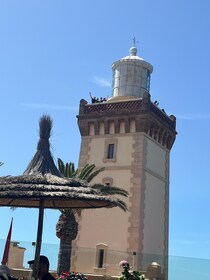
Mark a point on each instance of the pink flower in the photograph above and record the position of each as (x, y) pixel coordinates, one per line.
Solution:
(123, 263)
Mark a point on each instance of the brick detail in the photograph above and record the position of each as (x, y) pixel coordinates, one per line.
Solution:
(147, 117)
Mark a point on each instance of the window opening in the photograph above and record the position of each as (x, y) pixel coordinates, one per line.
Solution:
(110, 153)
(101, 258)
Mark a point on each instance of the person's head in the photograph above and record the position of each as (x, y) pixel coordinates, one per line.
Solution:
(43, 265)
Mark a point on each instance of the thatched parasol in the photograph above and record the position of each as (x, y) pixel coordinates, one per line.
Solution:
(43, 186)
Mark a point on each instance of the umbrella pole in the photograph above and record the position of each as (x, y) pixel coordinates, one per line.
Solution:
(38, 239)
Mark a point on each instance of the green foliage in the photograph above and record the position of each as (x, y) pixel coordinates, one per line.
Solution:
(110, 190)
(87, 173)
(68, 169)
(128, 274)
(113, 191)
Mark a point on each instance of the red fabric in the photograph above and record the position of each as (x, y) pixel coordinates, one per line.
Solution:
(7, 245)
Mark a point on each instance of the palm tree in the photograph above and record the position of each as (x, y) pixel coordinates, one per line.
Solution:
(1, 163)
(67, 225)
(66, 231)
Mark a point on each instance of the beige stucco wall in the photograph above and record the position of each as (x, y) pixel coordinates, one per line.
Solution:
(156, 185)
(154, 214)
(141, 167)
(107, 226)
(155, 158)
(124, 151)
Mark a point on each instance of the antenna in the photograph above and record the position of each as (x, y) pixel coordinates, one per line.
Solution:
(134, 41)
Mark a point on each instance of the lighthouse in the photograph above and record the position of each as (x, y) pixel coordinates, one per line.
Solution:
(131, 137)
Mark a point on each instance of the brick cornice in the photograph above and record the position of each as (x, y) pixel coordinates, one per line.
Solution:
(148, 117)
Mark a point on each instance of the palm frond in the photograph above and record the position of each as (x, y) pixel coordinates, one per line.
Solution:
(122, 205)
(68, 169)
(113, 191)
(110, 190)
(86, 171)
(61, 166)
(94, 174)
(76, 173)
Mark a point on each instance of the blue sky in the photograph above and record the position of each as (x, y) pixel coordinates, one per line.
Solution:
(53, 53)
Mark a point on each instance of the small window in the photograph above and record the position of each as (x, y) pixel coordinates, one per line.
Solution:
(101, 258)
(110, 152)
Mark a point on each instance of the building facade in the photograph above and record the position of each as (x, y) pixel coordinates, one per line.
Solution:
(131, 137)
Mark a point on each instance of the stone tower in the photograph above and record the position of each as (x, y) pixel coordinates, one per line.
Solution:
(131, 137)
